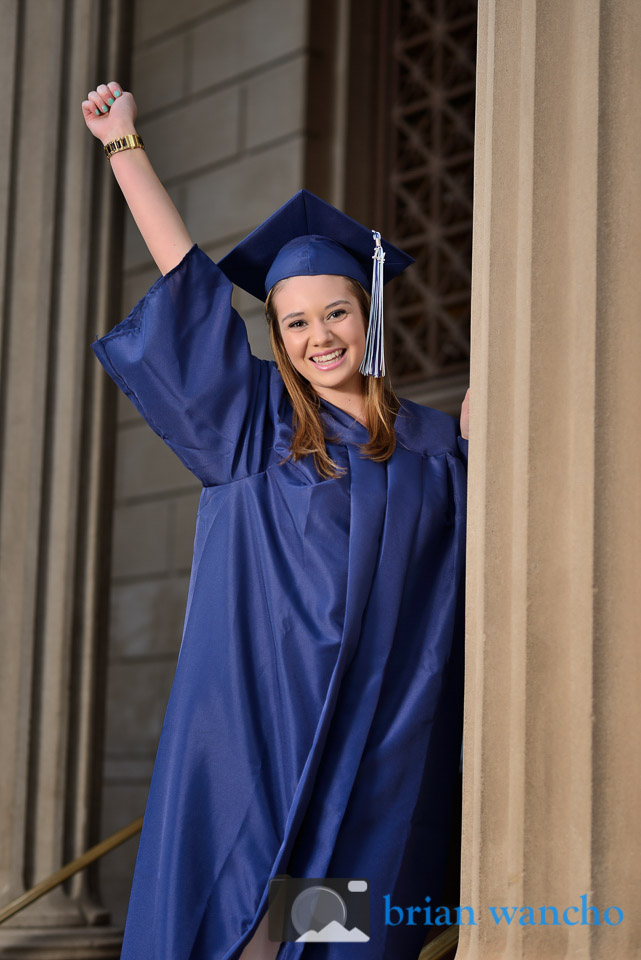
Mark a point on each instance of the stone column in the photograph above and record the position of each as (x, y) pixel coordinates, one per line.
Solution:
(552, 769)
(58, 261)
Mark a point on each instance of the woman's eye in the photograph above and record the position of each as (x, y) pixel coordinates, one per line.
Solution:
(333, 315)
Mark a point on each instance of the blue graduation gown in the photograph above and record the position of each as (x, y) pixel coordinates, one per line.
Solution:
(315, 717)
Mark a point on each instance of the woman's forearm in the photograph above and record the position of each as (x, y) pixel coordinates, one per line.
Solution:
(160, 224)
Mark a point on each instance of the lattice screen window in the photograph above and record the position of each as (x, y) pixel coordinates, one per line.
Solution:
(426, 139)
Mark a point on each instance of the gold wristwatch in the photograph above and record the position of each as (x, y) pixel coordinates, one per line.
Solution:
(128, 142)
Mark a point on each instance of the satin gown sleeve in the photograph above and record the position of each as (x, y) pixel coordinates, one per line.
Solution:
(183, 359)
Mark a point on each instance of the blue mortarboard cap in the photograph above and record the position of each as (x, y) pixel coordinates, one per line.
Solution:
(308, 237)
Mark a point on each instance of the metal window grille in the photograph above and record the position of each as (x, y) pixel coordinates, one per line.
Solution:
(425, 180)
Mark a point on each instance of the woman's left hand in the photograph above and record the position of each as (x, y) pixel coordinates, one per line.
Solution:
(465, 415)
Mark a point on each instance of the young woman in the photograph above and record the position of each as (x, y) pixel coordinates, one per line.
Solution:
(314, 724)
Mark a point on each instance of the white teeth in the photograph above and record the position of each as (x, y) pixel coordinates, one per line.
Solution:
(327, 357)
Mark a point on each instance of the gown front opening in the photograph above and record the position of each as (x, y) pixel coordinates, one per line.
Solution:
(315, 719)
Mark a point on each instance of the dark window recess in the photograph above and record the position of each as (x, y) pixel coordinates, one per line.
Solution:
(424, 181)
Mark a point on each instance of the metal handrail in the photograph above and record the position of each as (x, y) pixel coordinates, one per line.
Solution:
(93, 853)
(439, 948)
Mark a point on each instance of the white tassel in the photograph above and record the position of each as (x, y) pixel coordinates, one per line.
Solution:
(374, 359)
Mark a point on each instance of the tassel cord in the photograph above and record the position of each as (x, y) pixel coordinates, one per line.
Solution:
(374, 359)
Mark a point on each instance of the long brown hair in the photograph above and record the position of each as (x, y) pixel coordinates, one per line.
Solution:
(381, 403)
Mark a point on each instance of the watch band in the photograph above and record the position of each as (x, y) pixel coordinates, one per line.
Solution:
(128, 142)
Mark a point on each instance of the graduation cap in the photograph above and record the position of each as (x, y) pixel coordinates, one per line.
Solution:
(307, 237)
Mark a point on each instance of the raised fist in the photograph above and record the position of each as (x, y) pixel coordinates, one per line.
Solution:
(110, 112)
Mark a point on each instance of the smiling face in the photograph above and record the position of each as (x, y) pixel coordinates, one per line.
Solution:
(323, 330)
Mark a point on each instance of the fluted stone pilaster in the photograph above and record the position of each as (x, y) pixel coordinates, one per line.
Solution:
(552, 772)
(57, 232)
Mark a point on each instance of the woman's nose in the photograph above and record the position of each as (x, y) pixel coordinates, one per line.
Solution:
(321, 333)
